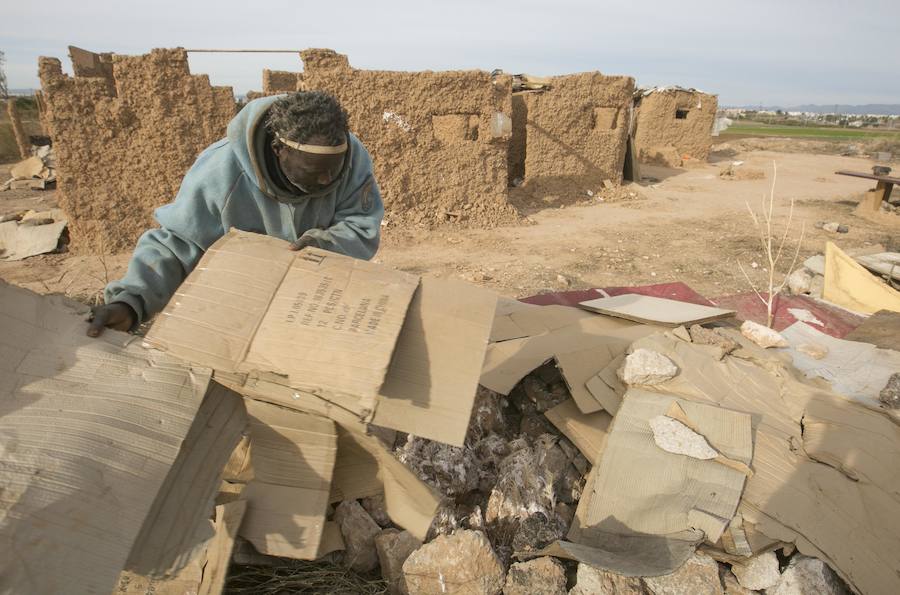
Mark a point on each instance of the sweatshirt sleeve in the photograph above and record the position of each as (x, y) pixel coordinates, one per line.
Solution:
(356, 227)
(165, 256)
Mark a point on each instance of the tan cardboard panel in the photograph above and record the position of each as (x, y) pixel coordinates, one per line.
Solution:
(826, 484)
(606, 387)
(527, 320)
(325, 322)
(293, 455)
(218, 554)
(356, 469)
(430, 386)
(654, 310)
(170, 534)
(881, 329)
(578, 367)
(628, 555)
(89, 429)
(851, 286)
(588, 432)
(665, 494)
(507, 362)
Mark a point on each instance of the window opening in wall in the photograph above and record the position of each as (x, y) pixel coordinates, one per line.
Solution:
(681, 114)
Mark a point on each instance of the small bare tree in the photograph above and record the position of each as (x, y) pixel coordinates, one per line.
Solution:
(773, 249)
(4, 91)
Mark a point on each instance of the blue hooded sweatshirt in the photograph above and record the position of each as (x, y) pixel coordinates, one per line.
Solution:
(230, 186)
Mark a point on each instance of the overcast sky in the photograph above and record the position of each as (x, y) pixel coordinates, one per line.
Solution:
(784, 52)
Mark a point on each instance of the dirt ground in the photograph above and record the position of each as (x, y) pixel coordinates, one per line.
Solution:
(685, 225)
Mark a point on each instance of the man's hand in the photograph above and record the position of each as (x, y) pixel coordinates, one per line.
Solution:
(304, 241)
(117, 315)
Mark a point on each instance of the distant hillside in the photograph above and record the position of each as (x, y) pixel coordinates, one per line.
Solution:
(875, 109)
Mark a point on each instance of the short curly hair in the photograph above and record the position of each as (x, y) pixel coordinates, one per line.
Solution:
(301, 116)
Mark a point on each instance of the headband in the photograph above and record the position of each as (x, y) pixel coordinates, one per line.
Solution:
(317, 149)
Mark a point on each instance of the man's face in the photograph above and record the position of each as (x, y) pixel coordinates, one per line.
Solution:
(309, 171)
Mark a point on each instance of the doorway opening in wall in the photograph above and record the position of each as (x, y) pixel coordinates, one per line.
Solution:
(681, 114)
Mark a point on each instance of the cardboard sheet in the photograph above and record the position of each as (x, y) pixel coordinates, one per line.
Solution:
(654, 310)
(293, 457)
(881, 329)
(628, 555)
(578, 367)
(606, 387)
(306, 315)
(856, 370)
(218, 554)
(828, 484)
(89, 429)
(506, 363)
(526, 320)
(172, 531)
(18, 241)
(637, 488)
(851, 286)
(587, 432)
(430, 386)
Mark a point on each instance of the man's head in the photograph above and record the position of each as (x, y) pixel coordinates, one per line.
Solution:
(310, 138)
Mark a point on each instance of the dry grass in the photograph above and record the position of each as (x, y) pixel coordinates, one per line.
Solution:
(299, 577)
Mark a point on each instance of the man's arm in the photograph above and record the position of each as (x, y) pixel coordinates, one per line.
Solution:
(165, 256)
(356, 227)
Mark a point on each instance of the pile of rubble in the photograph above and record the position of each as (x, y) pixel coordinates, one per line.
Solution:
(37, 172)
(633, 444)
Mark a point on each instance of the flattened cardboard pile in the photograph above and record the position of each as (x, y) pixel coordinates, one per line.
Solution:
(97, 439)
(781, 458)
(323, 345)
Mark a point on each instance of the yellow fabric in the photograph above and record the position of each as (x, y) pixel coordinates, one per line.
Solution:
(851, 286)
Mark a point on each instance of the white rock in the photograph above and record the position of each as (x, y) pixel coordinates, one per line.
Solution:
(759, 572)
(393, 548)
(592, 581)
(808, 576)
(799, 281)
(646, 367)
(762, 335)
(541, 576)
(698, 576)
(460, 563)
(817, 286)
(673, 436)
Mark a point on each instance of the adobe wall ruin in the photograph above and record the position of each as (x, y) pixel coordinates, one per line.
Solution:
(679, 119)
(437, 154)
(575, 132)
(125, 130)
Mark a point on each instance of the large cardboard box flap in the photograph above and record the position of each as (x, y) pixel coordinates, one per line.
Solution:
(432, 380)
(639, 489)
(851, 286)
(824, 466)
(328, 323)
(89, 430)
(293, 455)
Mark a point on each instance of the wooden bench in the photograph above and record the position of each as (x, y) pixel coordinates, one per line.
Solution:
(872, 202)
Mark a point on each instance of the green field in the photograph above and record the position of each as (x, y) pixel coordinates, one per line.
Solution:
(819, 132)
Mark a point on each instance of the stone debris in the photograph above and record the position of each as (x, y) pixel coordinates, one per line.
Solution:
(374, 505)
(711, 336)
(645, 367)
(537, 531)
(673, 436)
(460, 563)
(759, 572)
(731, 584)
(698, 576)
(808, 576)
(593, 581)
(452, 470)
(890, 394)
(393, 548)
(359, 531)
(541, 576)
(799, 282)
(762, 335)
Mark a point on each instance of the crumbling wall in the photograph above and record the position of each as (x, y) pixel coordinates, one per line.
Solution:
(518, 145)
(125, 130)
(437, 139)
(280, 81)
(577, 131)
(678, 119)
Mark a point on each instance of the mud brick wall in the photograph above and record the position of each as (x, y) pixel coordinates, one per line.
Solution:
(575, 133)
(125, 130)
(438, 158)
(675, 118)
(280, 81)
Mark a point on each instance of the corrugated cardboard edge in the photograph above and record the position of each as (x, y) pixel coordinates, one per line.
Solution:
(586, 431)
